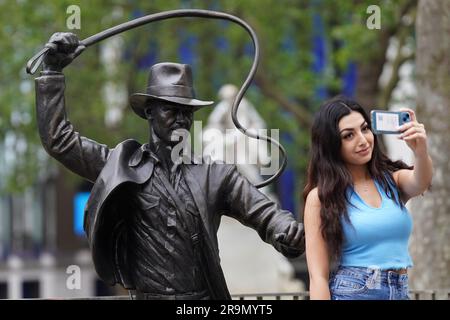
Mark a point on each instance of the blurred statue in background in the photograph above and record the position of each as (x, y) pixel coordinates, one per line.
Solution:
(226, 143)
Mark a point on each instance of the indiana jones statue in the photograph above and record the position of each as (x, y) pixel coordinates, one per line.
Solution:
(152, 223)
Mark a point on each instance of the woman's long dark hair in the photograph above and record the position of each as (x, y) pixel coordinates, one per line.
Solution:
(328, 172)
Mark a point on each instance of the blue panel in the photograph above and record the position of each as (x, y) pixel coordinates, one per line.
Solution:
(79, 203)
(286, 182)
(320, 54)
(319, 44)
(186, 50)
(349, 80)
(249, 49)
(222, 43)
(287, 190)
(149, 59)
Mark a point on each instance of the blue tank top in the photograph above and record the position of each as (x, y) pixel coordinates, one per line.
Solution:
(377, 237)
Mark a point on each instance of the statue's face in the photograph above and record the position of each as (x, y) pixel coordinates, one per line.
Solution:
(166, 117)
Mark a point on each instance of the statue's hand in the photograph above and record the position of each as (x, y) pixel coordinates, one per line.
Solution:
(64, 47)
(293, 242)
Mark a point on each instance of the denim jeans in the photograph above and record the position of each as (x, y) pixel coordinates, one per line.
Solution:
(356, 283)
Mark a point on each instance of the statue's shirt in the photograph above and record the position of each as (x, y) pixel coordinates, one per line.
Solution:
(160, 234)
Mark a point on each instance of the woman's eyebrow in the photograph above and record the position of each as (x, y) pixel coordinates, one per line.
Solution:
(352, 128)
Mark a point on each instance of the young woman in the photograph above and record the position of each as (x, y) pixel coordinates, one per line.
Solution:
(355, 198)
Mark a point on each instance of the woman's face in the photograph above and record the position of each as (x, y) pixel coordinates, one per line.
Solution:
(357, 139)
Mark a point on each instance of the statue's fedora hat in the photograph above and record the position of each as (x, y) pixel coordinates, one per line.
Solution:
(169, 82)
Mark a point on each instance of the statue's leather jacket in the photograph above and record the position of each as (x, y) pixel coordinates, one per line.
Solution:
(217, 189)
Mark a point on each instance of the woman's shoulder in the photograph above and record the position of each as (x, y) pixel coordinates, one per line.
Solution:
(397, 185)
(396, 174)
(393, 179)
(311, 212)
(312, 199)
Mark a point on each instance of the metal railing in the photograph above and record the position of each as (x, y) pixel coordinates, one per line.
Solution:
(302, 295)
(429, 294)
(440, 294)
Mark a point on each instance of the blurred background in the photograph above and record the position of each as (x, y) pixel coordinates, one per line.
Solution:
(384, 53)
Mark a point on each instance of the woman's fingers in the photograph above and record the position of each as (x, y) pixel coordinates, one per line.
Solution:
(417, 128)
(414, 136)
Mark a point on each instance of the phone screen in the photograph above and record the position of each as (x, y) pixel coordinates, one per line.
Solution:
(387, 121)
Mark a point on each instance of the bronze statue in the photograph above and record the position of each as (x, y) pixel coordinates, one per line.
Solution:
(152, 223)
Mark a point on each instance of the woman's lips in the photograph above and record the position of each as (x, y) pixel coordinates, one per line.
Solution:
(364, 152)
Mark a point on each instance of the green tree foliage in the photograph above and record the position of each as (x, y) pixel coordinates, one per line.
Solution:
(283, 90)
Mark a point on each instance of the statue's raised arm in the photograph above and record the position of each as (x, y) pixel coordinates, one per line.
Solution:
(81, 155)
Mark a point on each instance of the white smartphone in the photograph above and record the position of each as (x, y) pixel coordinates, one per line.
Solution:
(386, 122)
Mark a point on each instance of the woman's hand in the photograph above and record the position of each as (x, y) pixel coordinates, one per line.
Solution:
(414, 134)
